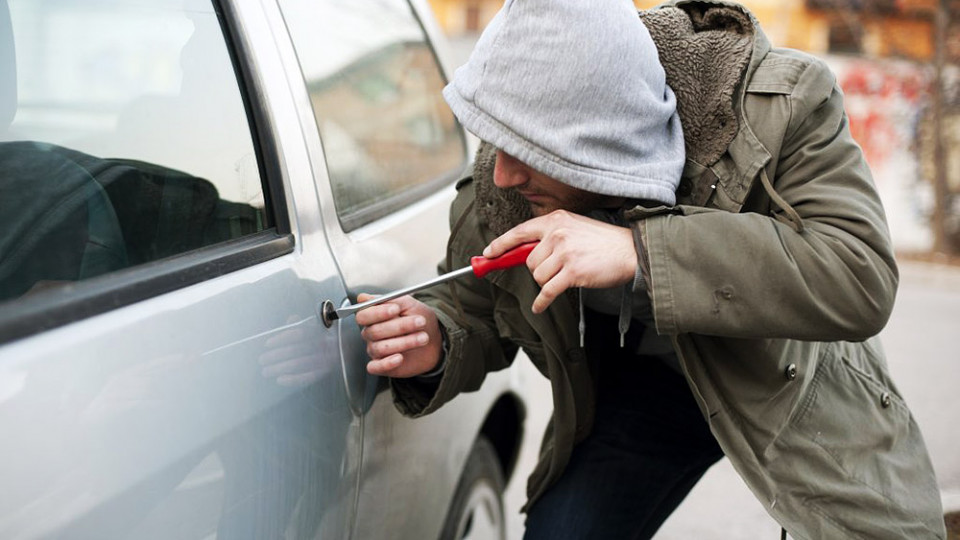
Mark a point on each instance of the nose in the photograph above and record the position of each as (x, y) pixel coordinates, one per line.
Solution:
(509, 171)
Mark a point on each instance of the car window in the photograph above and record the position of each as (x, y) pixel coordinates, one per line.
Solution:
(124, 139)
(375, 87)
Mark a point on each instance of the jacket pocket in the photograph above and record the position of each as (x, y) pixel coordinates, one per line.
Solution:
(852, 416)
(854, 456)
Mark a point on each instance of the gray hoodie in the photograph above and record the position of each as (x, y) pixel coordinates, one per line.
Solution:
(575, 90)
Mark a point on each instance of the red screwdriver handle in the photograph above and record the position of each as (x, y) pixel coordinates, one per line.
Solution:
(515, 257)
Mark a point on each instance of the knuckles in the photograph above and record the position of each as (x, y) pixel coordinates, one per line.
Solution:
(561, 235)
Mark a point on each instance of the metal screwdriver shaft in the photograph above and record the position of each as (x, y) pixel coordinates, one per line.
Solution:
(479, 267)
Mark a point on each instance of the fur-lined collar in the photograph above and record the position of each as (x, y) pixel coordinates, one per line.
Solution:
(705, 49)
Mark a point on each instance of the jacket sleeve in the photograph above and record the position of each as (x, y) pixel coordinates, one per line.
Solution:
(465, 309)
(748, 275)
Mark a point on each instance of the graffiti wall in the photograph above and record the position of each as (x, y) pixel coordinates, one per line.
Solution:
(888, 103)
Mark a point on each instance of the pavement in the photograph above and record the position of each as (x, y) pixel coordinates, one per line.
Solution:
(924, 361)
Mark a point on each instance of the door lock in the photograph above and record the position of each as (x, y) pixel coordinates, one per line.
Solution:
(327, 313)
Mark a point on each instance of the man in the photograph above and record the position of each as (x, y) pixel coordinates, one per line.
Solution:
(684, 306)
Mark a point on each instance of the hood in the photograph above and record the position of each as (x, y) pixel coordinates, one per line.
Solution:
(575, 90)
(706, 50)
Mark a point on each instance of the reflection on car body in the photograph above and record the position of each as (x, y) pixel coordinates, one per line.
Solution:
(74, 216)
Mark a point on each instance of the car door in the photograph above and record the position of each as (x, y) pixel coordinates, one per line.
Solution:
(163, 370)
(386, 151)
(386, 147)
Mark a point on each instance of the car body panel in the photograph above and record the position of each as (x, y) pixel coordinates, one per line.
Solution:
(162, 418)
(113, 434)
(161, 422)
(403, 459)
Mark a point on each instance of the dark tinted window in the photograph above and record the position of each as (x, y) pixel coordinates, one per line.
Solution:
(123, 138)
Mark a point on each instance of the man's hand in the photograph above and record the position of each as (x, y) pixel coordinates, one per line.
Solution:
(574, 251)
(402, 335)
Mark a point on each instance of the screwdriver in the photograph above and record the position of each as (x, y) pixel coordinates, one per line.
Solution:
(479, 267)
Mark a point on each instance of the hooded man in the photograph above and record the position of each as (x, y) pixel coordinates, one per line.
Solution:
(697, 292)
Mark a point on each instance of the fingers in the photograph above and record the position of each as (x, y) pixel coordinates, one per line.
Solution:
(550, 272)
(402, 335)
(544, 266)
(574, 251)
(390, 333)
(550, 291)
(385, 366)
(385, 324)
(397, 345)
(528, 231)
(397, 326)
(377, 314)
(406, 303)
(384, 311)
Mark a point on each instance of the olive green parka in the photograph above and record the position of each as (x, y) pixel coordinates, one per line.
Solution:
(772, 275)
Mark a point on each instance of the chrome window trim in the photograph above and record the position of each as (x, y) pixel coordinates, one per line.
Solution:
(57, 307)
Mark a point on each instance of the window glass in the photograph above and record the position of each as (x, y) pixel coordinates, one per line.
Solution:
(388, 135)
(123, 138)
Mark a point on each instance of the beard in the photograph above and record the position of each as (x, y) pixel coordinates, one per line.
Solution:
(579, 202)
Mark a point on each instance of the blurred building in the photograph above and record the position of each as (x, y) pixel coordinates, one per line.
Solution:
(875, 28)
(460, 17)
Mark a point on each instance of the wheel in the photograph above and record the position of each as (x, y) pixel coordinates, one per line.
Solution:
(476, 511)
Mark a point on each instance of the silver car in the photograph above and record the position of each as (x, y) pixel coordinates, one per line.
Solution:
(184, 185)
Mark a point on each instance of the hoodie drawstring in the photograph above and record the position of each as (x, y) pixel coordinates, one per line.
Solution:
(583, 320)
(623, 323)
(626, 312)
(793, 218)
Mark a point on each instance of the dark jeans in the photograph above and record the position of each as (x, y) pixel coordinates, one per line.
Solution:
(649, 446)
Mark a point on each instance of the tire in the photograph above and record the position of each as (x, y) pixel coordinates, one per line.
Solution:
(476, 511)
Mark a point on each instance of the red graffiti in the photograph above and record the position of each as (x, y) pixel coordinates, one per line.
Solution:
(883, 102)
(868, 79)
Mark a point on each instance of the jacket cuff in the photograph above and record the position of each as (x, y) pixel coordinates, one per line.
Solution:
(641, 278)
(656, 271)
(639, 282)
(434, 374)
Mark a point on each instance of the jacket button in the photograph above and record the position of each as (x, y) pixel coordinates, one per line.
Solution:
(791, 372)
(885, 400)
